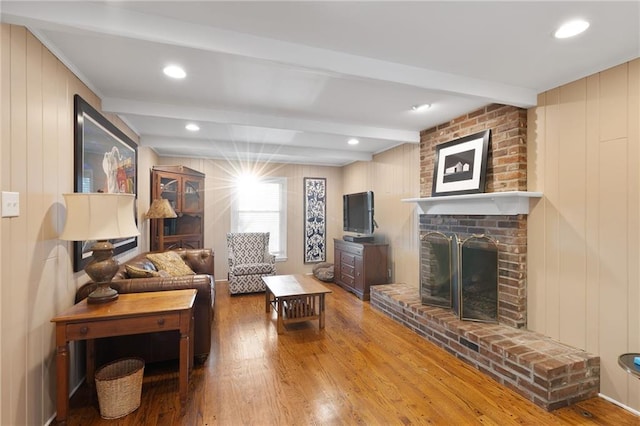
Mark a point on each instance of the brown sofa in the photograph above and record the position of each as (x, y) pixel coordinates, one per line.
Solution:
(154, 347)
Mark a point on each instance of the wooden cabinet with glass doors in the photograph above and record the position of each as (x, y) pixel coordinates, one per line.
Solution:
(184, 188)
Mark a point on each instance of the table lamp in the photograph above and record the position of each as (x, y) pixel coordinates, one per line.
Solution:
(100, 217)
(160, 209)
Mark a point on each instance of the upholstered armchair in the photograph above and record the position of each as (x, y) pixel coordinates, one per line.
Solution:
(249, 261)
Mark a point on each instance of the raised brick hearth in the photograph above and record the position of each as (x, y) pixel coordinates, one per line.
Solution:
(546, 372)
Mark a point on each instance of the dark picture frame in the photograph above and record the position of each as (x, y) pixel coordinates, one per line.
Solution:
(460, 165)
(105, 160)
(315, 223)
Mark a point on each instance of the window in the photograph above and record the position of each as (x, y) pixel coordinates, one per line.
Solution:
(259, 205)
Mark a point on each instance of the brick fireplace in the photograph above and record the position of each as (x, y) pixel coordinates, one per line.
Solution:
(544, 371)
(506, 171)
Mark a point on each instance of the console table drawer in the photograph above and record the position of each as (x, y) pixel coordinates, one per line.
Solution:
(122, 326)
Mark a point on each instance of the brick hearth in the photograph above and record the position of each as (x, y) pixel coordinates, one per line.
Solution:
(546, 372)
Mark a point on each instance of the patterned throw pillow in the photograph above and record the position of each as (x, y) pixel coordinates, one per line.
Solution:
(170, 262)
(135, 272)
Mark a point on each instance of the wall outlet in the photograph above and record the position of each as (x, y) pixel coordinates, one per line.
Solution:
(389, 273)
(10, 204)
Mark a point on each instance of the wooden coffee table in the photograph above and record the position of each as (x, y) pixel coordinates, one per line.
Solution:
(295, 298)
(129, 314)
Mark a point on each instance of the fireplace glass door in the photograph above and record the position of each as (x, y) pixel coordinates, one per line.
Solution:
(436, 271)
(460, 274)
(479, 279)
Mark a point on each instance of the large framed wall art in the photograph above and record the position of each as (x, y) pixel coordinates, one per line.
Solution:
(461, 165)
(105, 160)
(315, 227)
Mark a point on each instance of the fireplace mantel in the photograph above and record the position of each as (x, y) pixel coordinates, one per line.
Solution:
(491, 203)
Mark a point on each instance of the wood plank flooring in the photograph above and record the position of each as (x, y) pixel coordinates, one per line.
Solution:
(363, 369)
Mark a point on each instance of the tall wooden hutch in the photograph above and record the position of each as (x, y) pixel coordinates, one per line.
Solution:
(184, 188)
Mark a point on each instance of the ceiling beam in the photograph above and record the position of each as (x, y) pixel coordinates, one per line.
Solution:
(128, 106)
(231, 149)
(125, 23)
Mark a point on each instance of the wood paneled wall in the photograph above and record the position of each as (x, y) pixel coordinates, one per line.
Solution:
(36, 278)
(392, 176)
(584, 235)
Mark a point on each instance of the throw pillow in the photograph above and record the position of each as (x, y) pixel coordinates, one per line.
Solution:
(135, 272)
(170, 262)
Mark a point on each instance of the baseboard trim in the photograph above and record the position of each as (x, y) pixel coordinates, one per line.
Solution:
(619, 404)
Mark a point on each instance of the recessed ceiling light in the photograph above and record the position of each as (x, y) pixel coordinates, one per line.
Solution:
(421, 107)
(192, 127)
(571, 28)
(353, 141)
(174, 71)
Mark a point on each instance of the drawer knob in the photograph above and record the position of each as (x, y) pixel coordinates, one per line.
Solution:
(161, 321)
(84, 330)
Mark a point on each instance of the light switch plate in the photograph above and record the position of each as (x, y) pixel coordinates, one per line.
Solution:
(10, 204)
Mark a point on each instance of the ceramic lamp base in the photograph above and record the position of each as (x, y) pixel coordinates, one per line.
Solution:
(102, 294)
(101, 269)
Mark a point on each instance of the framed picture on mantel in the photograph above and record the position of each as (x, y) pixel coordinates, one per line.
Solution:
(460, 166)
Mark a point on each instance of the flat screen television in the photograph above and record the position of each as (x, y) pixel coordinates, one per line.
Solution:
(358, 213)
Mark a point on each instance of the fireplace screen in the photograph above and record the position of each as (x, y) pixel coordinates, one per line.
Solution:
(460, 275)
(479, 279)
(436, 272)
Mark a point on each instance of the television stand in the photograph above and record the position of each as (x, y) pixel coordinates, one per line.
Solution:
(359, 266)
(358, 238)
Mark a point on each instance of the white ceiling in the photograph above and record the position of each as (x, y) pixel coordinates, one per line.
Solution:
(292, 81)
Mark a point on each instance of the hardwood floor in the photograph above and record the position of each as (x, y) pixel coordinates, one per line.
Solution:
(362, 369)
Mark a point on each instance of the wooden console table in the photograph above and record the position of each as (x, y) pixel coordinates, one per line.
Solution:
(132, 313)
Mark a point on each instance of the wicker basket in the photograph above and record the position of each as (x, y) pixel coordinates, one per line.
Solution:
(119, 386)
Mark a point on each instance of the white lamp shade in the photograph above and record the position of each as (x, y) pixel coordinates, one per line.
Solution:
(99, 216)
